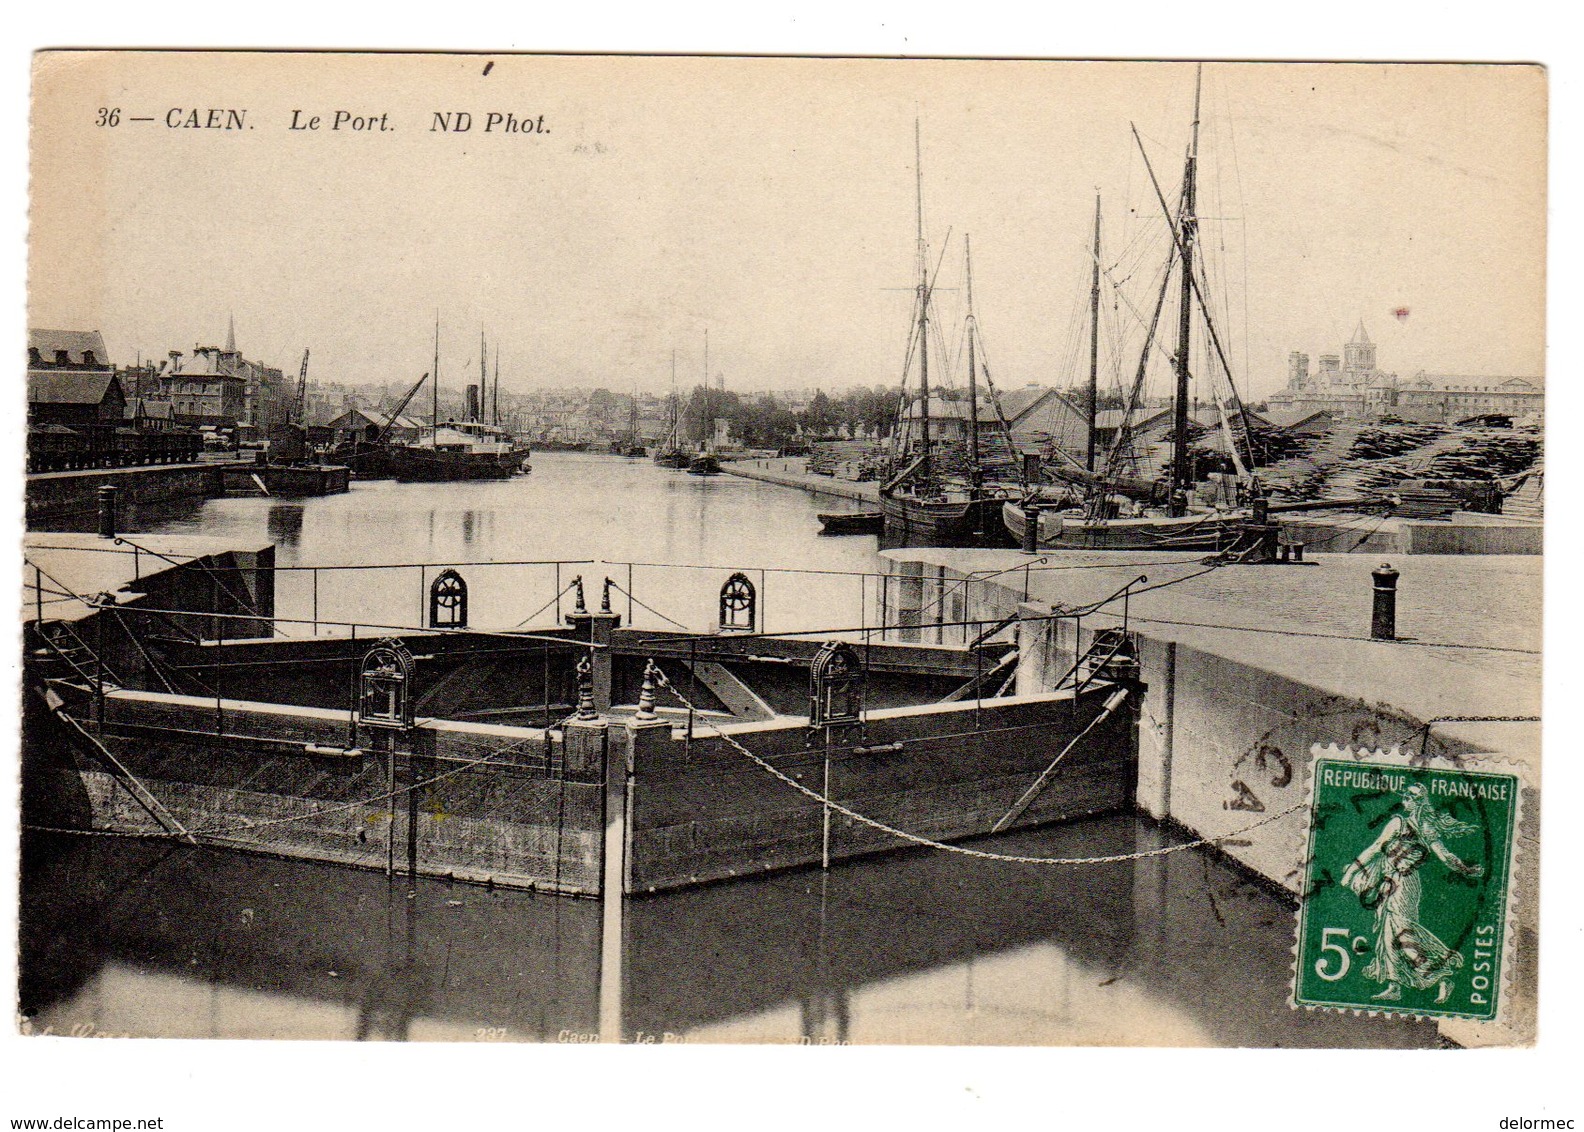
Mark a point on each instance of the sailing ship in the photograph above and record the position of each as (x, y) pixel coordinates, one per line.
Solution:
(630, 443)
(670, 453)
(920, 505)
(704, 462)
(1160, 517)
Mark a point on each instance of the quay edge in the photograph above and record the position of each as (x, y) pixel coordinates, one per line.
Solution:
(1235, 697)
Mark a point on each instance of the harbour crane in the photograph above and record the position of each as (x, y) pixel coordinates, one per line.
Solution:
(300, 410)
(401, 407)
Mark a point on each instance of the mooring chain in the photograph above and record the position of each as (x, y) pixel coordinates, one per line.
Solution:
(1010, 858)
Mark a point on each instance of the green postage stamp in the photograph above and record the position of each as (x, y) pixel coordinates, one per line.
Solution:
(1406, 881)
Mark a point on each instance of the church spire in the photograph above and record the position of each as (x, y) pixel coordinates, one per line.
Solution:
(230, 334)
(1360, 337)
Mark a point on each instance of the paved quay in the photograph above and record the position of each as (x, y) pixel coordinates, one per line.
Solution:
(793, 473)
(1469, 626)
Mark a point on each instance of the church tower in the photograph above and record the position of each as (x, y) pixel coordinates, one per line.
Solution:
(1359, 355)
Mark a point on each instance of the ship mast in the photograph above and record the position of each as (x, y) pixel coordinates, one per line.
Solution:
(483, 374)
(1094, 341)
(923, 305)
(1189, 226)
(495, 399)
(973, 377)
(434, 419)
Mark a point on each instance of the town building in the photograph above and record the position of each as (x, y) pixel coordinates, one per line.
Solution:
(218, 387)
(71, 381)
(1044, 421)
(1352, 387)
(1452, 398)
(147, 414)
(365, 426)
(949, 420)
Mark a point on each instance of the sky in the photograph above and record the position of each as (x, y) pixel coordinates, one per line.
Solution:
(771, 202)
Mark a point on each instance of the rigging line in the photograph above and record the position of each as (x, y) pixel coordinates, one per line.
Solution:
(1237, 170)
(546, 605)
(963, 850)
(1122, 439)
(617, 587)
(1193, 283)
(201, 565)
(995, 400)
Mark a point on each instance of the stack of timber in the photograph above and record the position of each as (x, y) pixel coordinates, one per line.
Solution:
(1426, 503)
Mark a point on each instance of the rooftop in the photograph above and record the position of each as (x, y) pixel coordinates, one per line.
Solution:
(76, 343)
(69, 387)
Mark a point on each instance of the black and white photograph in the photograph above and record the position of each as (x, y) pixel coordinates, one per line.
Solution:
(692, 550)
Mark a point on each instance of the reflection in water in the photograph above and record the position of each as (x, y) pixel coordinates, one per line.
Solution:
(175, 514)
(155, 939)
(571, 506)
(284, 524)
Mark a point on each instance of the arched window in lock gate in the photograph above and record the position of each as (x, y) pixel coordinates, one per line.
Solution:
(385, 681)
(739, 605)
(836, 686)
(448, 601)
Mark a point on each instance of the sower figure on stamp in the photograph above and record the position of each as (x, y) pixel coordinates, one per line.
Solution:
(1386, 877)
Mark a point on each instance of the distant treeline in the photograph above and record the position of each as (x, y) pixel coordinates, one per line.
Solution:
(761, 420)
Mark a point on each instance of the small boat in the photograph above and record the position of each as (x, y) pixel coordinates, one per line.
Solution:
(1074, 531)
(852, 523)
(703, 464)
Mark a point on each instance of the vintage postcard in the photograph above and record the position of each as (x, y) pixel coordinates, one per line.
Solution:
(807, 551)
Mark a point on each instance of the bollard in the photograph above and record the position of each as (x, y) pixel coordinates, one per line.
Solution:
(107, 510)
(1031, 518)
(1383, 623)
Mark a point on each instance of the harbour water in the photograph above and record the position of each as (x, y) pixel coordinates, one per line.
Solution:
(123, 936)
